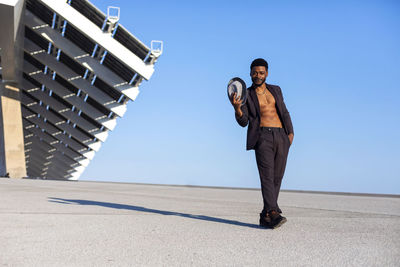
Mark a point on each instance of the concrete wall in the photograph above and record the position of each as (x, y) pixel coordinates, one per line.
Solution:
(12, 155)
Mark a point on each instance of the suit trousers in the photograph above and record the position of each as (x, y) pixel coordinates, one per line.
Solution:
(271, 155)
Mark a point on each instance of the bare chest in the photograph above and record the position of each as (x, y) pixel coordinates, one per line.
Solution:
(266, 100)
(268, 114)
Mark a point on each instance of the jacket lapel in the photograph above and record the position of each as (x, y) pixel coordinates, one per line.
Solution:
(277, 98)
(273, 92)
(278, 103)
(254, 97)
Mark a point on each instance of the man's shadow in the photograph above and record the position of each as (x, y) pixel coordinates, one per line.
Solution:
(143, 209)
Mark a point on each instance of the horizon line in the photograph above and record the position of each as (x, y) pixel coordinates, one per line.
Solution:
(253, 188)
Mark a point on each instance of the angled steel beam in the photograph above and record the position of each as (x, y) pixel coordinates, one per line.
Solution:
(66, 112)
(32, 140)
(53, 131)
(34, 143)
(68, 97)
(58, 159)
(34, 171)
(54, 158)
(48, 140)
(56, 143)
(59, 170)
(57, 120)
(40, 149)
(105, 40)
(74, 78)
(80, 56)
(53, 175)
(60, 123)
(39, 161)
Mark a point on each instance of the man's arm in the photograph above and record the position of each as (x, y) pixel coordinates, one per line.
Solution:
(287, 119)
(241, 112)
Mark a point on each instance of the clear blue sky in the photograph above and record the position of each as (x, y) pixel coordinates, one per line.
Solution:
(337, 63)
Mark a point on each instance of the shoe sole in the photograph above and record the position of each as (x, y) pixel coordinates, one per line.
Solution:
(280, 223)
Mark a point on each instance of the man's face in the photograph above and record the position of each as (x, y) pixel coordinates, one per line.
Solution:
(258, 75)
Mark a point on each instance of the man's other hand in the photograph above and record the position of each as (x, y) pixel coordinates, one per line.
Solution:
(291, 136)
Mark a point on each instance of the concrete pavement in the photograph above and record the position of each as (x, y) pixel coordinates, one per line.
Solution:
(57, 223)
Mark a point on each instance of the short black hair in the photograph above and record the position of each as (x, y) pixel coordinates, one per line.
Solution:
(259, 62)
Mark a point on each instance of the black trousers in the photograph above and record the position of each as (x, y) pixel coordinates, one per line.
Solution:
(271, 154)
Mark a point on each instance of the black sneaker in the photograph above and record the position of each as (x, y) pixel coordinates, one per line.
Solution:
(276, 220)
(265, 220)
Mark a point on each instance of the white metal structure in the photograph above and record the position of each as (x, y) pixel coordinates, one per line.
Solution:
(80, 68)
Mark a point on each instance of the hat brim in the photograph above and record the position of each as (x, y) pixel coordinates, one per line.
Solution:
(238, 86)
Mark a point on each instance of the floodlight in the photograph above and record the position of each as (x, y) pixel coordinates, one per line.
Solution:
(156, 48)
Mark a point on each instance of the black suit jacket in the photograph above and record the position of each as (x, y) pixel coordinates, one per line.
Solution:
(251, 114)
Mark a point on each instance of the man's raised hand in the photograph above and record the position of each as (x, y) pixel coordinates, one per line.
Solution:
(237, 103)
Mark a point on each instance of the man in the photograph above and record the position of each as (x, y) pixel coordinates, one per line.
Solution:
(270, 134)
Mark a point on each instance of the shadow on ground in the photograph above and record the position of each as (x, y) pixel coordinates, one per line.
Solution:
(143, 209)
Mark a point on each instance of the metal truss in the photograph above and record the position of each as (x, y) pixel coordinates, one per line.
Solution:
(80, 69)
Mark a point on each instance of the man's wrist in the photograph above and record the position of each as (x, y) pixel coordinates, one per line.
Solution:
(239, 112)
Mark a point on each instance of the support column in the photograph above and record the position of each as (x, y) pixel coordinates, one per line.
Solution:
(12, 155)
